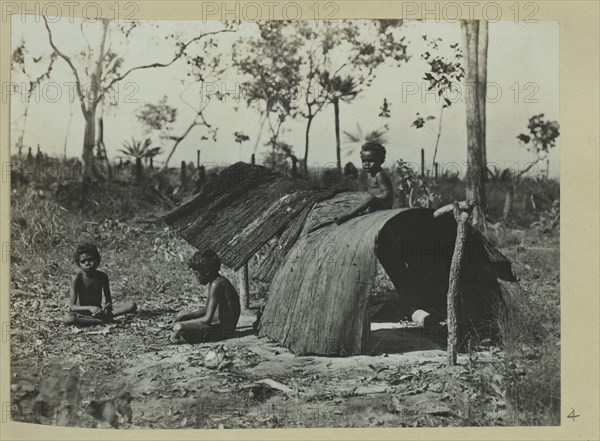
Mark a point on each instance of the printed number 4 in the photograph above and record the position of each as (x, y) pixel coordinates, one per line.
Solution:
(572, 415)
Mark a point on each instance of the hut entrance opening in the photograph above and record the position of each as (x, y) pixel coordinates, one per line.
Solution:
(415, 251)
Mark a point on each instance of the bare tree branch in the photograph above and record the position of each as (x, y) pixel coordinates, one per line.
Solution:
(178, 55)
(85, 37)
(98, 73)
(71, 65)
(194, 123)
(530, 166)
(179, 139)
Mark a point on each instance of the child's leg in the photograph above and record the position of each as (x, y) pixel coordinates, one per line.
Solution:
(195, 331)
(377, 204)
(124, 308)
(190, 315)
(72, 318)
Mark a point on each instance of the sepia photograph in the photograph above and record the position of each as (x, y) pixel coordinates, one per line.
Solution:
(252, 223)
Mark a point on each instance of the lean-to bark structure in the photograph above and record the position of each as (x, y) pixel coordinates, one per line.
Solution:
(321, 274)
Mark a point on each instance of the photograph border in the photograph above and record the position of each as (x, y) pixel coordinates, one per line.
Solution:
(579, 234)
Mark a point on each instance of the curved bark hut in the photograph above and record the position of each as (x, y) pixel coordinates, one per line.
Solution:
(318, 299)
(321, 275)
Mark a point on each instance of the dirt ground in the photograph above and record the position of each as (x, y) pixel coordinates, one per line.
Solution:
(127, 375)
(250, 382)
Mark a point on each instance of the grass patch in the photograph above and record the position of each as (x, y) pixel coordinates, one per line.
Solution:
(529, 326)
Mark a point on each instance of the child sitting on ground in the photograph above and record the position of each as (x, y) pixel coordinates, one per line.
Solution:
(380, 195)
(216, 321)
(86, 291)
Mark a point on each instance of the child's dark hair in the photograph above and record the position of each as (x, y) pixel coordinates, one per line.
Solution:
(375, 147)
(205, 259)
(86, 248)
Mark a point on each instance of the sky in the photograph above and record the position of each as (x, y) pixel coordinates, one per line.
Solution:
(523, 80)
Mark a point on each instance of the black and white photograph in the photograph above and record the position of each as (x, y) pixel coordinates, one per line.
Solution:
(229, 221)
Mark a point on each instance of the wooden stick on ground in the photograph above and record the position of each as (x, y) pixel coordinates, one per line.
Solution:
(461, 213)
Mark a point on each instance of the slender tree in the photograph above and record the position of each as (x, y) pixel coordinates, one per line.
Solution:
(482, 53)
(270, 65)
(473, 32)
(339, 89)
(540, 139)
(321, 55)
(104, 69)
(67, 132)
(363, 46)
(443, 76)
(34, 69)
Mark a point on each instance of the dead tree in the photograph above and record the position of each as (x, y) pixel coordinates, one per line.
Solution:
(461, 213)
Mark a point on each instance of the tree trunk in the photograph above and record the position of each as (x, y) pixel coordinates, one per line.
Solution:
(89, 141)
(139, 170)
(102, 146)
(183, 176)
(306, 144)
(260, 130)
(437, 140)
(67, 133)
(482, 82)
(294, 173)
(89, 137)
(338, 150)
(476, 166)
(508, 202)
(20, 141)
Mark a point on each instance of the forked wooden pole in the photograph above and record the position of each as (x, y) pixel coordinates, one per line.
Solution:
(461, 213)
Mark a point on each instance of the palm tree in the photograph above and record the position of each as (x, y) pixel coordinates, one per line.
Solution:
(507, 179)
(339, 89)
(359, 138)
(140, 150)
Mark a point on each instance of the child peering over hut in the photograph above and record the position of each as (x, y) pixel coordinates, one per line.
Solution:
(86, 291)
(216, 321)
(380, 195)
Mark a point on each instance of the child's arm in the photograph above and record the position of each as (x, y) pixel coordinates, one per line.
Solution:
(385, 185)
(107, 295)
(74, 307)
(364, 203)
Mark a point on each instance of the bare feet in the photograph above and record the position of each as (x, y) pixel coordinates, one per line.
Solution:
(175, 338)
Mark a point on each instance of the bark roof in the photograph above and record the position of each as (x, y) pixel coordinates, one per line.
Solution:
(242, 209)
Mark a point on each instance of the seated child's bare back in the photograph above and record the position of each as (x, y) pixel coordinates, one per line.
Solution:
(228, 304)
(218, 319)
